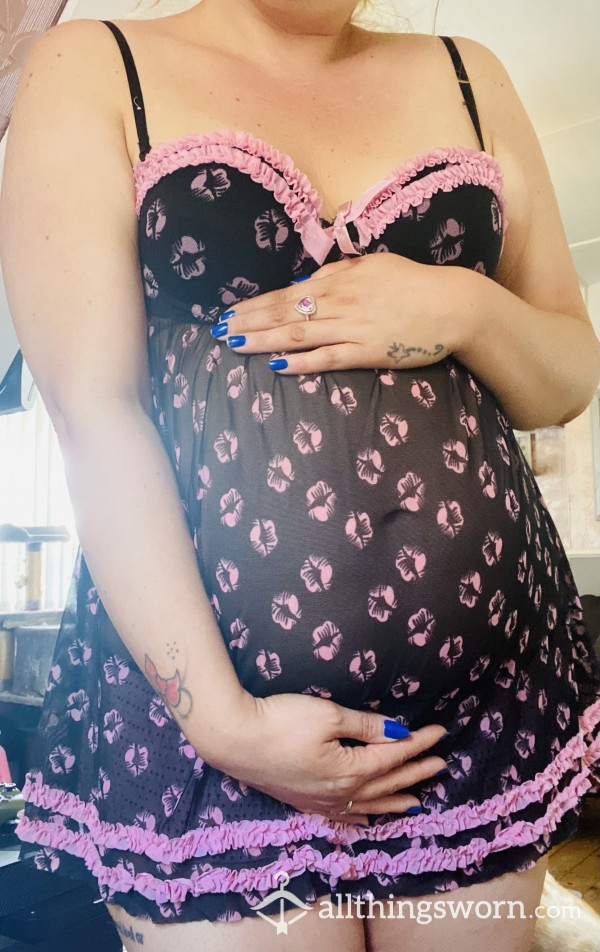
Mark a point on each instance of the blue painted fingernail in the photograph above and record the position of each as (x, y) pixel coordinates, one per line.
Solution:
(395, 729)
(304, 277)
(219, 330)
(412, 810)
(444, 736)
(228, 314)
(442, 771)
(280, 363)
(236, 340)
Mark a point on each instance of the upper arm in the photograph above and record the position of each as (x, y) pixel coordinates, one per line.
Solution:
(536, 262)
(69, 230)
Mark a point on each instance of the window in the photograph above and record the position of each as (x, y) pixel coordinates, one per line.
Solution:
(33, 492)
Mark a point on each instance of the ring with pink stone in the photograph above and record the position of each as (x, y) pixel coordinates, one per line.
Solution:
(307, 306)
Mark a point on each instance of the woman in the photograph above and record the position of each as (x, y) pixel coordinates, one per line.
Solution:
(324, 626)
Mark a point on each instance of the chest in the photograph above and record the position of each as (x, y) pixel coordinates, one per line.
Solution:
(224, 216)
(344, 130)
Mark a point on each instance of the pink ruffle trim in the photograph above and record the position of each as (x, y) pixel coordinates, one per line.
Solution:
(276, 171)
(334, 865)
(167, 156)
(475, 169)
(262, 162)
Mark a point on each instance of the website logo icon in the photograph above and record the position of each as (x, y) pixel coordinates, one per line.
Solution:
(281, 924)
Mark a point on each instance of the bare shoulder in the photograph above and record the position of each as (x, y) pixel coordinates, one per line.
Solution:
(480, 57)
(68, 96)
(76, 43)
(74, 61)
(497, 99)
(68, 227)
(81, 58)
(535, 263)
(492, 86)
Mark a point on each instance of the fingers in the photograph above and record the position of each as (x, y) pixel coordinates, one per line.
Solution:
(374, 760)
(357, 818)
(385, 794)
(409, 774)
(272, 310)
(332, 357)
(277, 308)
(364, 725)
(399, 803)
(309, 349)
(402, 804)
(296, 334)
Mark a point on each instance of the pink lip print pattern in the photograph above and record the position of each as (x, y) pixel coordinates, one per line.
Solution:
(308, 437)
(447, 242)
(372, 538)
(382, 602)
(280, 473)
(327, 641)
(411, 492)
(316, 573)
(263, 537)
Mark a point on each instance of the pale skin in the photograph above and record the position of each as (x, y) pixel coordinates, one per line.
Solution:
(198, 74)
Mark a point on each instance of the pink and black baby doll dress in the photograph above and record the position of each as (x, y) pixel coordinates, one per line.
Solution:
(373, 537)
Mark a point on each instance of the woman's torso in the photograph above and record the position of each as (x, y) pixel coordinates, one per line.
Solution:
(404, 488)
(393, 99)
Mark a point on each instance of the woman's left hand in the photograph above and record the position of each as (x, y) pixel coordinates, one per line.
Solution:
(376, 311)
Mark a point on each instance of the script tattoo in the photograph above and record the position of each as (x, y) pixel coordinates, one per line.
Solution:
(128, 933)
(399, 352)
(169, 689)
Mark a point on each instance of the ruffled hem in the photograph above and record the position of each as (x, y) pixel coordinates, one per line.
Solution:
(276, 171)
(333, 864)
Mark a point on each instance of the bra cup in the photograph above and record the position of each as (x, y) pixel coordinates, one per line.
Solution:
(212, 232)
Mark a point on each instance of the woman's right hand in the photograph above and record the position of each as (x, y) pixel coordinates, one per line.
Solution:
(288, 747)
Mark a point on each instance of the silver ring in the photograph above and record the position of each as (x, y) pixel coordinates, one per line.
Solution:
(347, 807)
(307, 306)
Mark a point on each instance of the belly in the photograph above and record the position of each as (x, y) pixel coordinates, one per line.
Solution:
(371, 536)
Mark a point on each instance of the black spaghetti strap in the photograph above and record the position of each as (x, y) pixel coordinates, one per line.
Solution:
(137, 101)
(465, 85)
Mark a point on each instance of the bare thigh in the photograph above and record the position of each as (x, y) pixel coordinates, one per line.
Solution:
(492, 929)
(252, 934)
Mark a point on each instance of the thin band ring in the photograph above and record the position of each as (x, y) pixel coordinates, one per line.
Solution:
(347, 807)
(307, 306)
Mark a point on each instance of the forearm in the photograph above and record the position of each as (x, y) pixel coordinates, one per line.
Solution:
(543, 366)
(132, 529)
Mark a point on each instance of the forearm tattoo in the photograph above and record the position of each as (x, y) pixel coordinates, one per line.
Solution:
(170, 689)
(399, 352)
